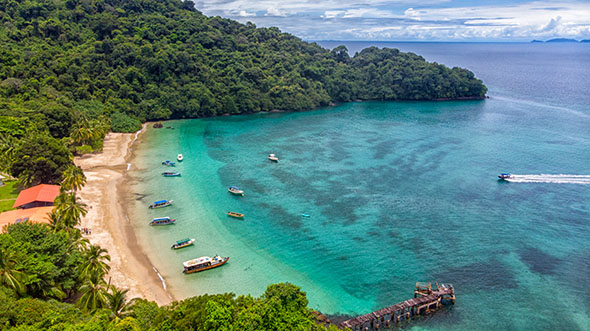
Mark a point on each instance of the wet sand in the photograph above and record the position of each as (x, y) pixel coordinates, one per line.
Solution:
(106, 196)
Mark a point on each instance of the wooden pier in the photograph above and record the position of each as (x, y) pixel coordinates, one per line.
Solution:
(425, 299)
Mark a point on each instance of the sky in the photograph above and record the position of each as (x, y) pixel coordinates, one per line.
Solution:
(405, 20)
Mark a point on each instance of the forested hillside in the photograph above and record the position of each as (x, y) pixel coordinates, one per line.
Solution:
(147, 59)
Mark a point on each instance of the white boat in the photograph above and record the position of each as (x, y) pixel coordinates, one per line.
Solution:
(273, 158)
(180, 157)
(235, 190)
(203, 263)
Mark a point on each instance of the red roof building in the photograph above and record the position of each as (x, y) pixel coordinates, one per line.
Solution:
(37, 196)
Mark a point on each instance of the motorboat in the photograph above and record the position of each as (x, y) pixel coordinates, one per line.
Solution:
(168, 163)
(183, 243)
(505, 176)
(162, 221)
(273, 158)
(204, 263)
(161, 203)
(235, 190)
(171, 174)
(179, 157)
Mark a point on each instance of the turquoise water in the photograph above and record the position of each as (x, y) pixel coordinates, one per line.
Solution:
(397, 192)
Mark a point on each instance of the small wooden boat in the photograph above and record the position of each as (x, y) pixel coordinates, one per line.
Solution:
(235, 190)
(171, 174)
(168, 163)
(180, 157)
(273, 158)
(162, 221)
(235, 215)
(204, 263)
(161, 203)
(183, 243)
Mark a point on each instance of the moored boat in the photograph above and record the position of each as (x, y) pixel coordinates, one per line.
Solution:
(162, 221)
(234, 214)
(235, 190)
(203, 263)
(505, 176)
(273, 158)
(183, 243)
(168, 163)
(171, 174)
(180, 157)
(161, 203)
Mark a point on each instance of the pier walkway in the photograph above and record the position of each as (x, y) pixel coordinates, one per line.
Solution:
(425, 298)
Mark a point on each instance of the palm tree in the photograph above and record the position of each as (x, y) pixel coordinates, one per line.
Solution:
(9, 273)
(117, 303)
(94, 292)
(74, 179)
(69, 209)
(56, 222)
(95, 262)
(8, 145)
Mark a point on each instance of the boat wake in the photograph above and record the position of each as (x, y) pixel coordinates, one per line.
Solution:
(557, 179)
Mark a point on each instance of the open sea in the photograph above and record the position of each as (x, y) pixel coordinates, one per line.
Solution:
(396, 192)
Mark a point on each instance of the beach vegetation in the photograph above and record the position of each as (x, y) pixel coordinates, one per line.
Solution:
(40, 159)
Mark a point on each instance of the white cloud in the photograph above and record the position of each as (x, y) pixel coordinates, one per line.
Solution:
(412, 20)
(244, 13)
(273, 11)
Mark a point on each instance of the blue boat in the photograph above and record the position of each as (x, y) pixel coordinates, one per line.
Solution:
(162, 221)
(161, 203)
(168, 163)
(171, 174)
(505, 176)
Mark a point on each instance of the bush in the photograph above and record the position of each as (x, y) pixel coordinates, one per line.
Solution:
(84, 149)
(121, 122)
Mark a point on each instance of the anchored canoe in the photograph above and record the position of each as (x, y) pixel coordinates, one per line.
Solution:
(234, 214)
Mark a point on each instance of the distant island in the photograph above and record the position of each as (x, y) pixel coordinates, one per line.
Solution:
(560, 40)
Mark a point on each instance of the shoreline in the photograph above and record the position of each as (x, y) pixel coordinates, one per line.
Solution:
(105, 193)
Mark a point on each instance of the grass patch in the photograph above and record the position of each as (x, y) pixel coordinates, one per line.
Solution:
(8, 194)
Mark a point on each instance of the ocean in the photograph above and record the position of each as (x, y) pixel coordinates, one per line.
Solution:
(394, 193)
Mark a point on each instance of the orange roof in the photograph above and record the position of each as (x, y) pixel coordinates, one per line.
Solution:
(37, 215)
(43, 193)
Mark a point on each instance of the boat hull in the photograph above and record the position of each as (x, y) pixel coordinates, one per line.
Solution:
(235, 215)
(162, 223)
(206, 268)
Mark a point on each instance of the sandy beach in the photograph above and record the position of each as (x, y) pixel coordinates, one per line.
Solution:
(105, 196)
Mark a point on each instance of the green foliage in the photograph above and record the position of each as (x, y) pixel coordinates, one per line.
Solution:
(122, 122)
(8, 194)
(152, 60)
(40, 159)
(48, 259)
